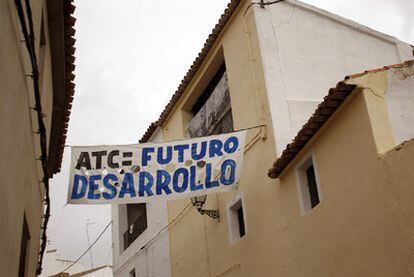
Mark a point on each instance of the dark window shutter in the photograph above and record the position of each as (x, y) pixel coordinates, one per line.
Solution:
(313, 188)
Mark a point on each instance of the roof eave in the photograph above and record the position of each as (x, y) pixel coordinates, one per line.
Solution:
(61, 37)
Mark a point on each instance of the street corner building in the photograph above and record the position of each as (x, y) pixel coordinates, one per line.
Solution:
(36, 93)
(340, 203)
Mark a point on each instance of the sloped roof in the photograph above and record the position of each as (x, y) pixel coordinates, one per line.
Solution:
(63, 64)
(325, 110)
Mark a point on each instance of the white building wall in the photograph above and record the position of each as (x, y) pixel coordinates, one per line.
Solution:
(305, 51)
(152, 260)
(400, 102)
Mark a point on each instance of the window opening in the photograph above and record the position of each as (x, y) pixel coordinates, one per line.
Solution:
(308, 189)
(137, 222)
(42, 51)
(237, 223)
(240, 220)
(312, 186)
(24, 248)
(42, 32)
(209, 89)
(212, 110)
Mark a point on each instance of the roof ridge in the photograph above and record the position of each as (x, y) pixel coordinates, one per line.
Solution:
(380, 69)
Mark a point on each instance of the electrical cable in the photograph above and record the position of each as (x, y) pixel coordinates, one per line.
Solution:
(29, 39)
(86, 251)
(271, 2)
(166, 226)
(262, 4)
(109, 253)
(158, 234)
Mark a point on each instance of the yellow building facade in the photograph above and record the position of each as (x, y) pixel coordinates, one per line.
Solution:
(36, 92)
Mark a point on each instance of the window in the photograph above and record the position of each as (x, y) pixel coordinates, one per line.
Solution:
(308, 189)
(236, 219)
(42, 32)
(313, 189)
(24, 248)
(137, 223)
(212, 110)
(240, 220)
(132, 273)
(42, 52)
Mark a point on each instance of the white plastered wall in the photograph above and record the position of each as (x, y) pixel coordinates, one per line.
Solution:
(305, 51)
(154, 260)
(399, 98)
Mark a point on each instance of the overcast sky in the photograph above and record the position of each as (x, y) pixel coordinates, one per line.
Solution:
(130, 58)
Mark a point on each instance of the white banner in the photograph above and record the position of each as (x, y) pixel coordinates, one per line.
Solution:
(155, 171)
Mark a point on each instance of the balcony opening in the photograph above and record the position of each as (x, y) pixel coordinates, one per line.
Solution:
(137, 222)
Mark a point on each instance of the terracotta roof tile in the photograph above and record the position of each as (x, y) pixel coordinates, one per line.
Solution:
(63, 123)
(148, 133)
(398, 65)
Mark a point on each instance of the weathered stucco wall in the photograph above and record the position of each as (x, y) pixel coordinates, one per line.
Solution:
(305, 51)
(363, 224)
(390, 101)
(20, 172)
(399, 99)
(397, 164)
(155, 259)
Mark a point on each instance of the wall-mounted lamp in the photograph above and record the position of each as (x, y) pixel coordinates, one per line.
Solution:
(199, 201)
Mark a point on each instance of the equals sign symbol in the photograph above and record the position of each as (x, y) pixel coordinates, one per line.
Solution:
(127, 155)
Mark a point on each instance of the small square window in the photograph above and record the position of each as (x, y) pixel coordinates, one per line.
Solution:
(308, 187)
(237, 219)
